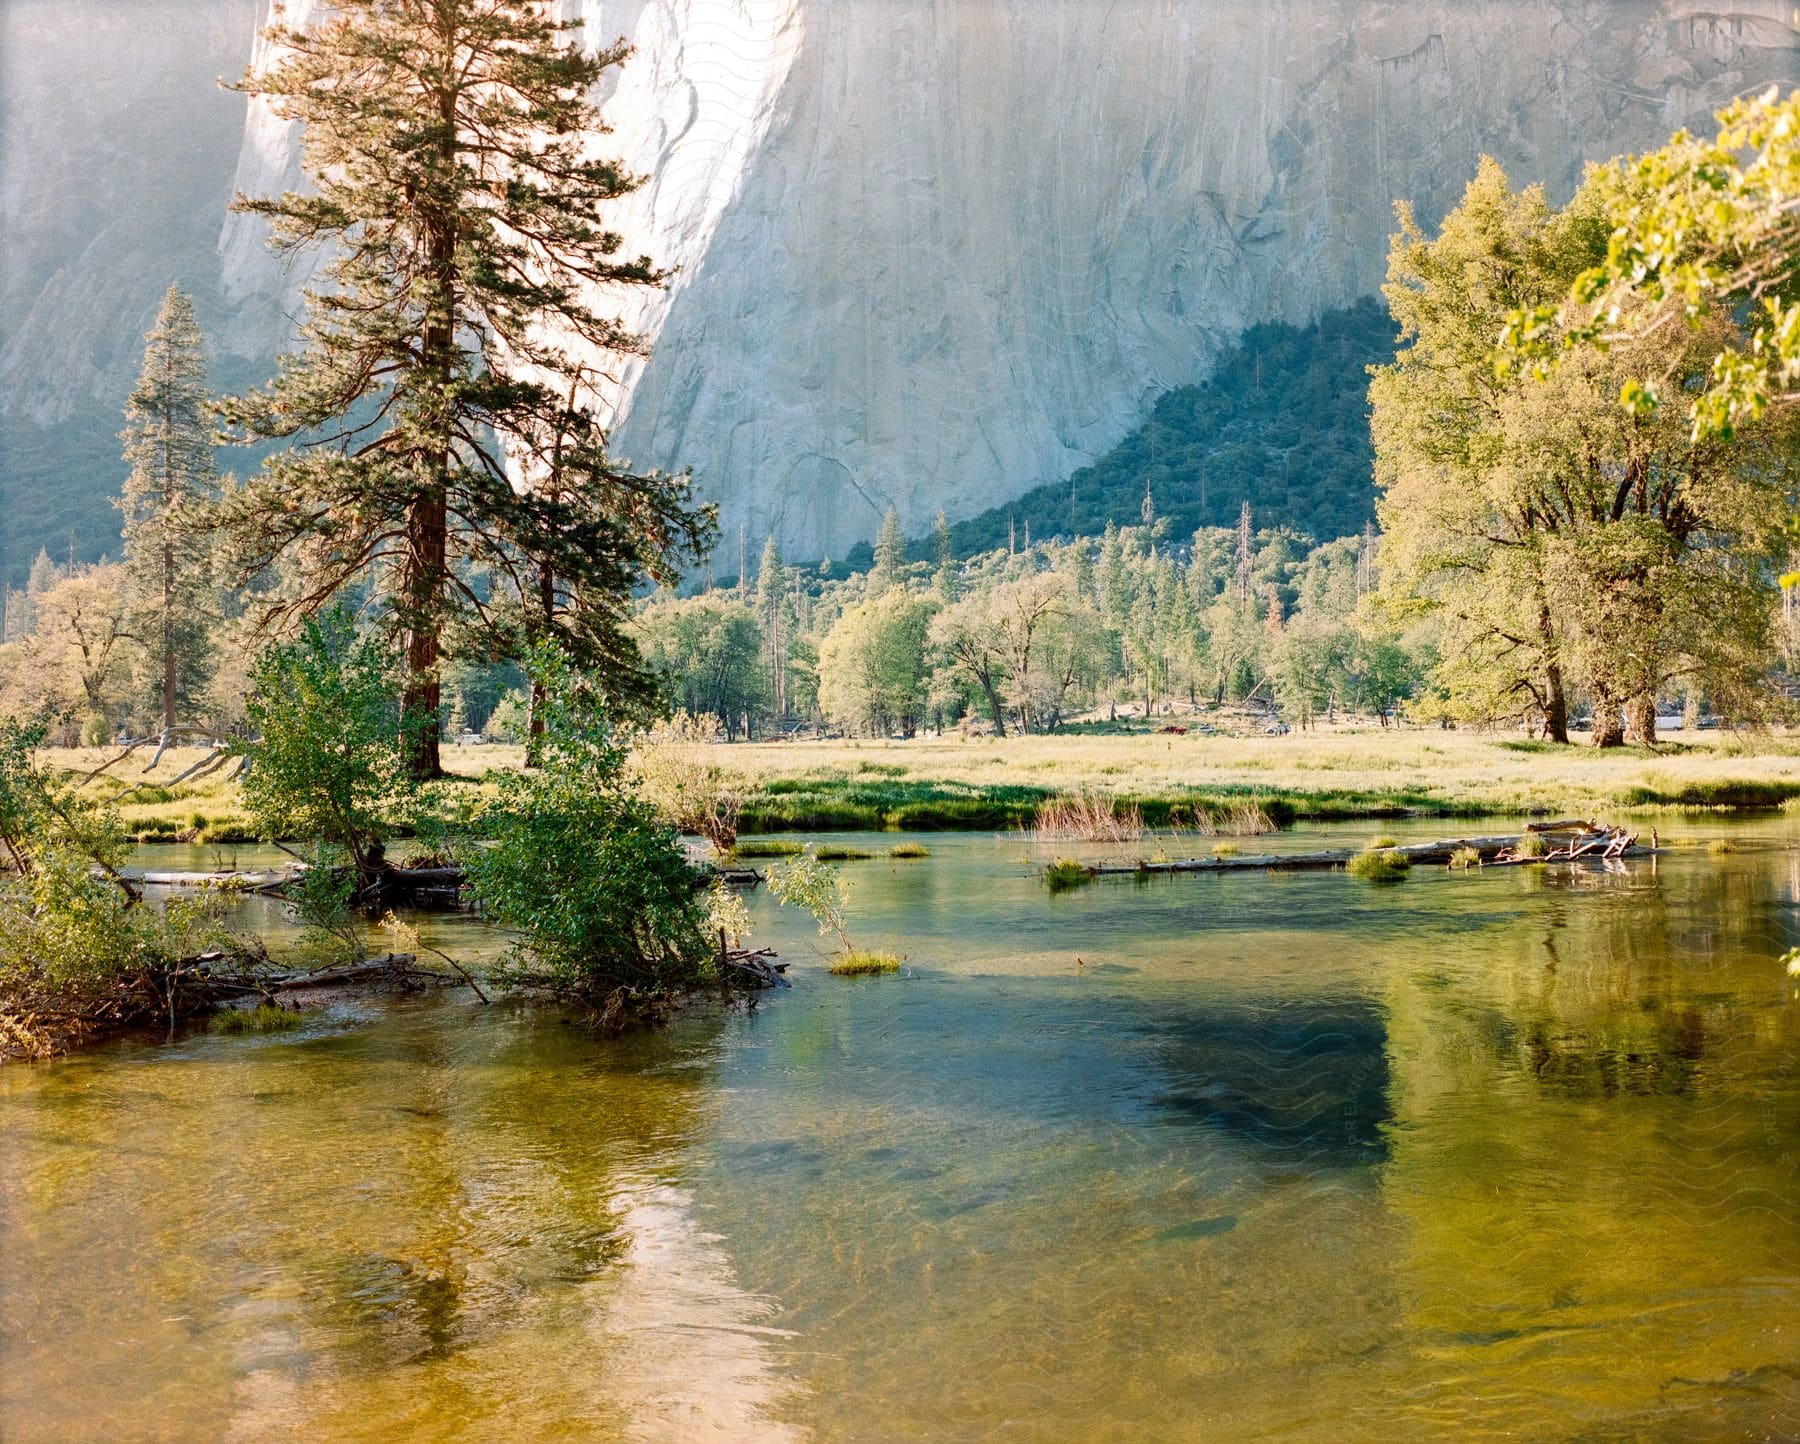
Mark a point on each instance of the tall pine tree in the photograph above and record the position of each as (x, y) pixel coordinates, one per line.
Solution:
(890, 555)
(169, 445)
(443, 389)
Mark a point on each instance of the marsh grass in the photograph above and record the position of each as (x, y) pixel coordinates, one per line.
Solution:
(766, 847)
(1381, 840)
(1226, 849)
(1465, 858)
(1532, 845)
(1087, 817)
(909, 850)
(1066, 873)
(865, 965)
(263, 1018)
(1377, 865)
(829, 853)
(1721, 847)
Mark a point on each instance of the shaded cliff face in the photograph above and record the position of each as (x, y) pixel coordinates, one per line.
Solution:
(932, 252)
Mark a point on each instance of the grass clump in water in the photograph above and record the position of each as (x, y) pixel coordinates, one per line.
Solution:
(1226, 849)
(1531, 845)
(1466, 857)
(1381, 840)
(1378, 865)
(829, 853)
(1721, 847)
(766, 847)
(263, 1018)
(865, 965)
(909, 849)
(1089, 817)
(1066, 873)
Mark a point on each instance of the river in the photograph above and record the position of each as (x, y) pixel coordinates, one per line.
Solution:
(1287, 1156)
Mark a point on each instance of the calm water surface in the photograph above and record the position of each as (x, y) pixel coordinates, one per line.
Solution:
(1514, 1154)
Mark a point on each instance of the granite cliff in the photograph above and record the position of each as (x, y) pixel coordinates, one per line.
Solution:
(932, 252)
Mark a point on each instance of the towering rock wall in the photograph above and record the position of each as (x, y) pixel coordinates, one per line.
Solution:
(931, 252)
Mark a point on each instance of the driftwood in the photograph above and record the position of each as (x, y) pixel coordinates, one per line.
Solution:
(1587, 842)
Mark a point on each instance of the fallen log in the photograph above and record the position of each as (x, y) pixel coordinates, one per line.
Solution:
(1439, 851)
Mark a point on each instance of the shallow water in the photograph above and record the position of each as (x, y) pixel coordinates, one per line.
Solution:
(1198, 1158)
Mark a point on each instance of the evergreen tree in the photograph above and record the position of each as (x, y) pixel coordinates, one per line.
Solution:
(771, 580)
(442, 360)
(167, 569)
(890, 555)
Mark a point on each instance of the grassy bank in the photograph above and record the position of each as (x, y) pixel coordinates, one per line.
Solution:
(989, 784)
(995, 785)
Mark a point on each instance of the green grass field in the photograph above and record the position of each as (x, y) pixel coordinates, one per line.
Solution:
(988, 784)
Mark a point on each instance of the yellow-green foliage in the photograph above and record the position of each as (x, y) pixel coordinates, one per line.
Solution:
(829, 853)
(1382, 840)
(1066, 873)
(1378, 865)
(263, 1018)
(865, 965)
(1532, 845)
(1466, 857)
(1721, 847)
(909, 849)
(1226, 849)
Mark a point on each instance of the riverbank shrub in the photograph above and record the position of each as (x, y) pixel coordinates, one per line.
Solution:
(675, 766)
(593, 883)
(330, 768)
(80, 953)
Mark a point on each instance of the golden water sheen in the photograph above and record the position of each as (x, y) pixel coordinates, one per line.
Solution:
(1512, 1154)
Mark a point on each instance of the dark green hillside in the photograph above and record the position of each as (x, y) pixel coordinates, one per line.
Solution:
(1282, 421)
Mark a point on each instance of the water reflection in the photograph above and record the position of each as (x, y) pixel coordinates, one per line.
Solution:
(1503, 1154)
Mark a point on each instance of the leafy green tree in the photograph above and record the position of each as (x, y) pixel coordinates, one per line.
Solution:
(452, 349)
(707, 653)
(873, 672)
(602, 898)
(330, 768)
(168, 443)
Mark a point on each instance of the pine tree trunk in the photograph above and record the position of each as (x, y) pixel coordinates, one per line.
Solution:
(168, 638)
(1640, 721)
(426, 563)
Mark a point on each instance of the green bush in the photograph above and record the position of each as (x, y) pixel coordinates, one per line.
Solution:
(1066, 873)
(598, 890)
(1378, 865)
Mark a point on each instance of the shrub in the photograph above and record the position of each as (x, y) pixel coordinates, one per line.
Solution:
(675, 766)
(1066, 873)
(863, 965)
(909, 849)
(584, 871)
(1378, 865)
(330, 769)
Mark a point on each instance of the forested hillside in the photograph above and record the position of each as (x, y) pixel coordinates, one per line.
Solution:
(1282, 422)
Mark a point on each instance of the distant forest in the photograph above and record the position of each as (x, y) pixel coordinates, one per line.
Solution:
(1283, 422)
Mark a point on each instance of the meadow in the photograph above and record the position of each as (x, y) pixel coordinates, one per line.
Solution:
(987, 783)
